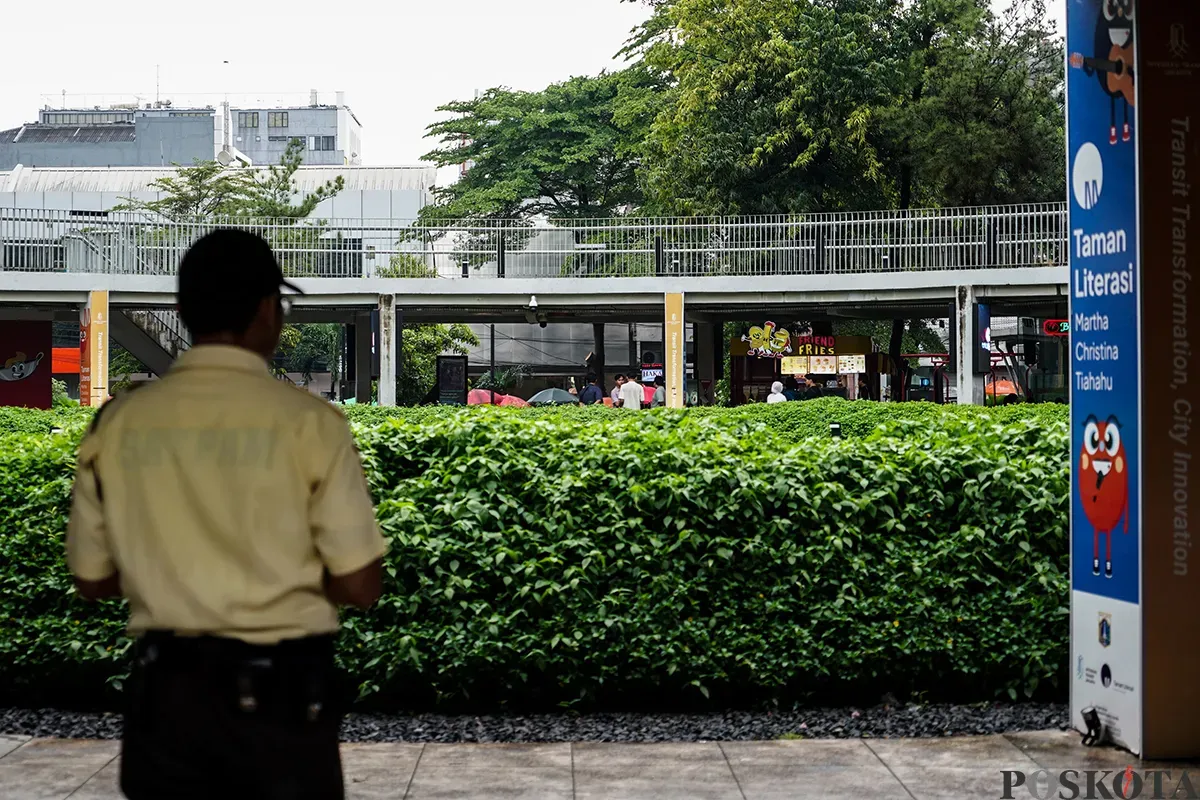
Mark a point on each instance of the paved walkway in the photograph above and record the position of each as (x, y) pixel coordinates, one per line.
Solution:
(874, 769)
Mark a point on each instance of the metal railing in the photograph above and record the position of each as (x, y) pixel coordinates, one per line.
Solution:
(849, 243)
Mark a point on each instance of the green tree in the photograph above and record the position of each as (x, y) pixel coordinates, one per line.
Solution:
(570, 150)
(315, 347)
(420, 347)
(122, 364)
(818, 105)
(58, 395)
(202, 191)
(207, 190)
(771, 107)
(506, 378)
(978, 117)
(272, 192)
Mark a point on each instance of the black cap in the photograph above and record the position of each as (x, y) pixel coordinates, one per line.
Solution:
(223, 279)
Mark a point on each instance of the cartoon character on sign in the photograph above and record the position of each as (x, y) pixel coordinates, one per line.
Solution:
(1113, 61)
(18, 368)
(1103, 485)
(768, 342)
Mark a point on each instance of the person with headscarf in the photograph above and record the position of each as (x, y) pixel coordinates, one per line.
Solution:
(776, 395)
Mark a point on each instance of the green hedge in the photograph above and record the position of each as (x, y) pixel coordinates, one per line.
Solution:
(28, 420)
(793, 421)
(660, 557)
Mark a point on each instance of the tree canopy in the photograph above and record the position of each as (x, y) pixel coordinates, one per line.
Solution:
(981, 118)
(420, 347)
(778, 106)
(570, 150)
(207, 190)
(781, 106)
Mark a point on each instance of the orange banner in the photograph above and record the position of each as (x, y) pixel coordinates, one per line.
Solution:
(65, 361)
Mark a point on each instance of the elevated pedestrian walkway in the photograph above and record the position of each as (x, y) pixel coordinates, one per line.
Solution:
(887, 264)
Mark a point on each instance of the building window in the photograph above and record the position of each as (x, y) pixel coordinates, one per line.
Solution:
(322, 143)
(277, 119)
(247, 119)
(87, 118)
(189, 113)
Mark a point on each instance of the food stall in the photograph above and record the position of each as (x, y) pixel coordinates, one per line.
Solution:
(770, 353)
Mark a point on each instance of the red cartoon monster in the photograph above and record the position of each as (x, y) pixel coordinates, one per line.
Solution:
(1104, 485)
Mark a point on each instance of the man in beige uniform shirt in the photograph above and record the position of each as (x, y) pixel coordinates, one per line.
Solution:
(231, 510)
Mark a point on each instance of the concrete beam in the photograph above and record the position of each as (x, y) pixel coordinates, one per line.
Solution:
(567, 293)
(28, 314)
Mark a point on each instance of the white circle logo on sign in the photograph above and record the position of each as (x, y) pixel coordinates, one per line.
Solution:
(1087, 176)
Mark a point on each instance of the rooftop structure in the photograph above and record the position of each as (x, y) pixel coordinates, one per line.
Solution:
(160, 133)
(110, 137)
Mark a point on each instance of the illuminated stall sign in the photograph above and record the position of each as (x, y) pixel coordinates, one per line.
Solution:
(768, 341)
(815, 345)
(793, 365)
(1056, 327)
(823, 365)
(852, 364)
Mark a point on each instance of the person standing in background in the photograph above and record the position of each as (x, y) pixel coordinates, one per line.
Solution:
(616, 392)
(633, 396)
(232, 512)
(776, 395)
(592, 393)
(660, 393)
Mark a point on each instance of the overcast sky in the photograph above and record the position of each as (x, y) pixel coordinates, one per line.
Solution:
(396, 62)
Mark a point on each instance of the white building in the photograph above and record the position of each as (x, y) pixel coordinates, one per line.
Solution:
(370, 193)
(331, 134)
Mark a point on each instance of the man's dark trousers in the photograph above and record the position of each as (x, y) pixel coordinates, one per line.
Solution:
(216, 718)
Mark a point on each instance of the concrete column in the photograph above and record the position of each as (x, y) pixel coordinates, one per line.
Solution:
(970, 386)
(389, 349)
(706, 361)
(362, 358)
(675, 351)
(598, 362)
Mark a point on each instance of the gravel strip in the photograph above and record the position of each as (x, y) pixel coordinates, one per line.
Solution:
(817, 723)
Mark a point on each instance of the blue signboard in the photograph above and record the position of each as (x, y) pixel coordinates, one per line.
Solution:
(1106, 615)
(1102, 163)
